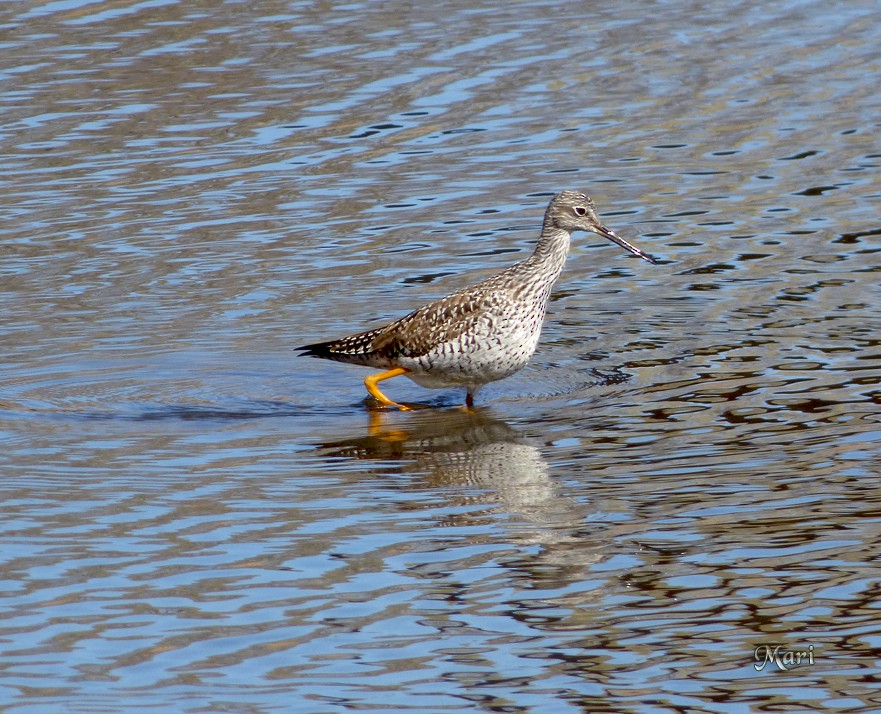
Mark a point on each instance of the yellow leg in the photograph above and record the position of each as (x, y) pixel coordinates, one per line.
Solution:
(372, 381)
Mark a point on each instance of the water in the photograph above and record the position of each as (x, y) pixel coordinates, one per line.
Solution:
(196, 520)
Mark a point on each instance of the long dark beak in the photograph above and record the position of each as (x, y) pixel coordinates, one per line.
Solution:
(615, 238)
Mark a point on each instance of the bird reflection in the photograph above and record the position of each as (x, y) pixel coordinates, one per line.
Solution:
(497, 466)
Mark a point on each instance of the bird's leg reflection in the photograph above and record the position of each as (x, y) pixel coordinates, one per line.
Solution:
(378, 429)
(473, 458)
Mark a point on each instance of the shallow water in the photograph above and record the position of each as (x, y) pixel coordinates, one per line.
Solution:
(196, 520)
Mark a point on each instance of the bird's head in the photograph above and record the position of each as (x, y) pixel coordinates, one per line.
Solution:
(574, 211)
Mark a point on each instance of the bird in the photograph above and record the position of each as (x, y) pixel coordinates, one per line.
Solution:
(482, 333)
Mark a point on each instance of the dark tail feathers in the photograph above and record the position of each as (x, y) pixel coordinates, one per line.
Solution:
(354, 349)
(318, 349)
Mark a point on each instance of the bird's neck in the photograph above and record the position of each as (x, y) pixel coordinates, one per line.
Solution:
(552, 250)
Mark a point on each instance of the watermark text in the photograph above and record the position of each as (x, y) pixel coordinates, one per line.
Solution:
(782, 657)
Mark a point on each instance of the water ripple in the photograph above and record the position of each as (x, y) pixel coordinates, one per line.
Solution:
(195, 520)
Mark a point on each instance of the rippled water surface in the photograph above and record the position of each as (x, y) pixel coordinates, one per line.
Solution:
(195, 520)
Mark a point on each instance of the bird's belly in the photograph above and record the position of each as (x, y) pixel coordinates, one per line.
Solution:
(474, 359)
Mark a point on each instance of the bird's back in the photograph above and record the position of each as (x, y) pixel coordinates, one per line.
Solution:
(498, 319)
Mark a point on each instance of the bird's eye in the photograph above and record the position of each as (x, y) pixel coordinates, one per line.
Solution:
(581, 210)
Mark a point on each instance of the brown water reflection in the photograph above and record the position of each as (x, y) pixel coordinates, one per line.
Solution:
(194, 520)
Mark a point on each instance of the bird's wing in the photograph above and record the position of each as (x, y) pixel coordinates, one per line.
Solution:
(437, 323)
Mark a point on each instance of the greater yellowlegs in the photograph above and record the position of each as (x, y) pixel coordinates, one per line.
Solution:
(482, 333)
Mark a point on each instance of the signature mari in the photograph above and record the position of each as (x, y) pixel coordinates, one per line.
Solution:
(781, 657)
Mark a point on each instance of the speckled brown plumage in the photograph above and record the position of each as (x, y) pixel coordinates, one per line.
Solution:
(484, 332)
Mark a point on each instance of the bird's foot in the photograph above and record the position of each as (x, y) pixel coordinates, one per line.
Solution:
(375, 405)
